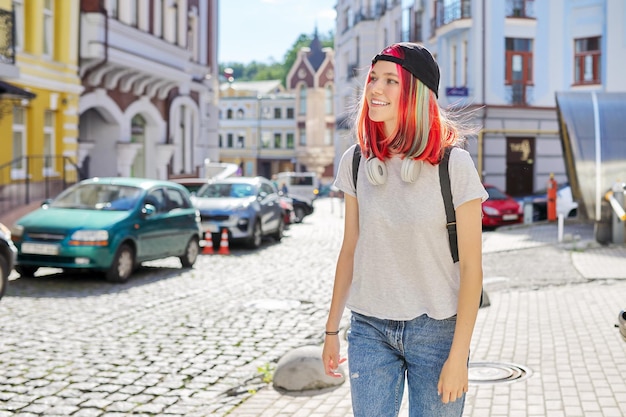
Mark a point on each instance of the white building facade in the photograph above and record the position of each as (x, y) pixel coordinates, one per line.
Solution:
(267, 128)
(257, 127)
(149, 69)
(502, 62)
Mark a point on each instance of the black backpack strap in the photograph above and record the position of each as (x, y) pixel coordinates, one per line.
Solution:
(356, 159)
(446, 192)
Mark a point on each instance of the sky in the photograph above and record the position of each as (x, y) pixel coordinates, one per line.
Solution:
(264, 30)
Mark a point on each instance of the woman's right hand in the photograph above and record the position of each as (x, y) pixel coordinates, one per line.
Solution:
(330, 356)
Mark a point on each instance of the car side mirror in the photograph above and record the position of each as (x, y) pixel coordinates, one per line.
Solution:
(148, 210)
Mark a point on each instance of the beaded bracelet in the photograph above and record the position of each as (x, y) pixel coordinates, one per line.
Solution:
(332, 333)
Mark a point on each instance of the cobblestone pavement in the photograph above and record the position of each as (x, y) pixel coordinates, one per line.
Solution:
(198, 342)
(169, 342)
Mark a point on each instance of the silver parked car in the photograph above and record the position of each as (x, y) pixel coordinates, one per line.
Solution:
(247, 207)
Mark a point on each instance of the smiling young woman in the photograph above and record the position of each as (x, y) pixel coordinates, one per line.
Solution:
(413, 307)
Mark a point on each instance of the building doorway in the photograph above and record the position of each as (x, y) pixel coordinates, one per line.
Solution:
(520, 160)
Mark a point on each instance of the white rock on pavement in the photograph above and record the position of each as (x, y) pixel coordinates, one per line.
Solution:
(302, 370)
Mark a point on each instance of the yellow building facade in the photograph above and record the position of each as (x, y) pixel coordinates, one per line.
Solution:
(40, 135)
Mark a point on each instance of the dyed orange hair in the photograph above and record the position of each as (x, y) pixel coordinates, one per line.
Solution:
(423, 131)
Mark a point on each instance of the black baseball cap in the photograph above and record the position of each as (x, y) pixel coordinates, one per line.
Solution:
(418, 61)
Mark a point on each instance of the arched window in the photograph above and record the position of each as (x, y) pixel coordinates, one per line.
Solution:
(138, 135)
(240, 114)
(229, 114)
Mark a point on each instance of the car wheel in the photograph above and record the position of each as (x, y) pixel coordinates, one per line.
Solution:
(123, 264)
(256, 238)
(299, 214)
(4, 275)
(278, 235)
(191, 253)
(26, 271)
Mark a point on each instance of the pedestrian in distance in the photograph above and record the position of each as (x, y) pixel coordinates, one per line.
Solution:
(413, 307)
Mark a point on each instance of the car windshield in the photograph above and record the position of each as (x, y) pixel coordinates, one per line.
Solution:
(221, 190)
(495, 194)
(99, 197)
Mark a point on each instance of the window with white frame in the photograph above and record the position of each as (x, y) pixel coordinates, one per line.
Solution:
(133, 13)
(113, 8)
(241, 141)
(48, 143)
(587, 61)
(302, 137)
(158, 16)
(18, 27)
(18, 169)
(192, 35)
(328, 136)
(48, 27)
(169, 21)
(266, 140)
(291, 143)
(278, 140)
(453, 73)
(465, 64)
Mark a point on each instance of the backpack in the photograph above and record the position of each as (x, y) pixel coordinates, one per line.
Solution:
(446, 192)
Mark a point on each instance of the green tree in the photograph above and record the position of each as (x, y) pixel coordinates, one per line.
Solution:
(259, 71)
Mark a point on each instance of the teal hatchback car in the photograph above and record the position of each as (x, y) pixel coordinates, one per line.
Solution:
(109, 225)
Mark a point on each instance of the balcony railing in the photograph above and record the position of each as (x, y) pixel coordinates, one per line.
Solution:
(31, 178)
(520, 8)
(7, 37)
(519, 94)
(450, 11)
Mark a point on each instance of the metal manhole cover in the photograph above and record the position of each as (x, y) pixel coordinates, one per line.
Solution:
(496, 373)
(272, 304)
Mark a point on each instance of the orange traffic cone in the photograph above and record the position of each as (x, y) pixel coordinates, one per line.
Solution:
(224, 243)
(208, 244)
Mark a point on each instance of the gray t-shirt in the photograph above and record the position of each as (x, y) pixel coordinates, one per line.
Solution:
(403, 267)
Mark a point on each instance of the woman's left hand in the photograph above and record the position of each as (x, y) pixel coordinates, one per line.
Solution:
(453, 380)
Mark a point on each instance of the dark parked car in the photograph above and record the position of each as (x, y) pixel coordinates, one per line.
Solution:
(301, 209)
(191, 184)
(110, 225)
(249, 208)
(564, 203)
(8, 252)
(500, 208)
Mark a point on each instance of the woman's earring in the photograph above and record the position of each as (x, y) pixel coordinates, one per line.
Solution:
(376, 171)
(410, 170)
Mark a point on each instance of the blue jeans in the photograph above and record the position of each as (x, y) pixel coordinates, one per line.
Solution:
(382, 352)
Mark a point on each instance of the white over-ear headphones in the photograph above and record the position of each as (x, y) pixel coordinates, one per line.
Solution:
(376, 170)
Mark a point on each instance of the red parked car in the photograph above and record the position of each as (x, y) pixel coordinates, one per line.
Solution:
(500, 208)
